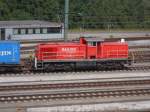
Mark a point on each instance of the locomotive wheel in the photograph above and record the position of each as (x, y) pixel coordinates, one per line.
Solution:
(49, 68)
(110, 66)
(68, 67)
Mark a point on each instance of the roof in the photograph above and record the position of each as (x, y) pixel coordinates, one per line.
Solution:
(28, 24)
(94, 39)
(8, 41)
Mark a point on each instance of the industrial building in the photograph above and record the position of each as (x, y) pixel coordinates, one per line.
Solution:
(30, 30)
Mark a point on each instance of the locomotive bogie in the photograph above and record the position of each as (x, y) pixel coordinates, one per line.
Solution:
(91, 64)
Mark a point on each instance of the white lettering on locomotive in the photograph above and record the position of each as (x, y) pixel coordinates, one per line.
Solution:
(69, 50)
(5, 53)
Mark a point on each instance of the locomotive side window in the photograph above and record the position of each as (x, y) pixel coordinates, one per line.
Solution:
(89, 44)
(92, 43)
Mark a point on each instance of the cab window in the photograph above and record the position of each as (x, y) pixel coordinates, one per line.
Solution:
(92, 43)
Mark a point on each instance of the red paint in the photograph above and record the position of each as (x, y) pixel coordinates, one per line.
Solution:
(81, 50)
(113, 50)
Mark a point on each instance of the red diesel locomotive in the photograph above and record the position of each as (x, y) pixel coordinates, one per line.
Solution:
(91, 53)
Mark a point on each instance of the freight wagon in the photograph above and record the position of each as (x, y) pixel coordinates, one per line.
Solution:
(9, 54)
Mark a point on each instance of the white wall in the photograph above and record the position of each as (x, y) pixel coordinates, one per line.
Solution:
(37, 36)
(32, 36)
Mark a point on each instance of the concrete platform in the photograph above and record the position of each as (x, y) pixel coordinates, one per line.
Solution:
(106, 107)
(75, 77)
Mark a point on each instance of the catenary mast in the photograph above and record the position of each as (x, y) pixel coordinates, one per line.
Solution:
(66, 19)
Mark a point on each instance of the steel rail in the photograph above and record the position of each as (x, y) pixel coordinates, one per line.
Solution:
(74, 95)
(73, 85)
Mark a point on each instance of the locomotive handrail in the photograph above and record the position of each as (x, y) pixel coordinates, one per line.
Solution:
(116, 53)
(55, 54)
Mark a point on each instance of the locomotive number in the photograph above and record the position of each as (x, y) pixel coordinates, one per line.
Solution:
(69, 50)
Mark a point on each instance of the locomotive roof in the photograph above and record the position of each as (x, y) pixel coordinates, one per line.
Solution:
(28, 24)
(93, 39)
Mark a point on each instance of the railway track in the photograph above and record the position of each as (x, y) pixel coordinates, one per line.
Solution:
(130, 38)
(70, 95)
(73, 85)
(140, 56)
(70, 91)
(139, 46)
(107, 39)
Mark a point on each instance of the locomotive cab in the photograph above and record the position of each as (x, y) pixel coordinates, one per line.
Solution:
(92, 47)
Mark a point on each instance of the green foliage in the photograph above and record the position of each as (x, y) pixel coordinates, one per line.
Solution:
(83, 13)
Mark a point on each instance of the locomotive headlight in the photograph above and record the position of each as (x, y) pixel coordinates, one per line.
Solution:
(122, 40)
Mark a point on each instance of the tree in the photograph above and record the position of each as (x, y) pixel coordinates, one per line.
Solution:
(91, 13)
